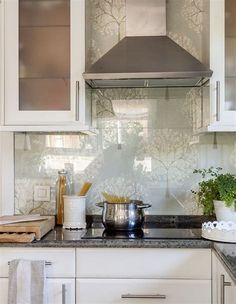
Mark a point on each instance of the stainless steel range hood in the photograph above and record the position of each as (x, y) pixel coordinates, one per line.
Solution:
(147, 57)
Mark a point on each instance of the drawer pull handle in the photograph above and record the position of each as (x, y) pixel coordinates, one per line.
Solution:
(63, 293)
(46, 263)
(223, 284)
(133, 296)
(77, 101)
(217, 100)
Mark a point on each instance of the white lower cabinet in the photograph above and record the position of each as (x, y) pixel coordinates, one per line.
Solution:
(150, 263)
(118, 275)
(143, 291)
(3, 290)
(223, 287)
(56, 257)
(60, 271)
(121, 275)
(59, 291)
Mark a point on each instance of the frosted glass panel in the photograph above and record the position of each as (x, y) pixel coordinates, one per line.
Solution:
(44, 94)
(230, 55)
(230, 94)
(45, 52)
(44, 13)
(230, 23)
(44, 55)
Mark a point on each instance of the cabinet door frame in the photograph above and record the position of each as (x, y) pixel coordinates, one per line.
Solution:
(13, 116)
(218, 269)
(219, 116)
(7, 183)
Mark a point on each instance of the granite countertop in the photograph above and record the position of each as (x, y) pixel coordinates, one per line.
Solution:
(59, 238)
(73, 239)
(227, 253)
(68, 238)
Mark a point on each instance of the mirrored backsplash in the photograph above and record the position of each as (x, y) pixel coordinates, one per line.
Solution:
(144, 148)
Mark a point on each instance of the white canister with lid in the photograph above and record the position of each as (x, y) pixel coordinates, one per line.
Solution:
(74, 212)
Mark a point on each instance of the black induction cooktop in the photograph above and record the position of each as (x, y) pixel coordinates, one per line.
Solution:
(146, 233)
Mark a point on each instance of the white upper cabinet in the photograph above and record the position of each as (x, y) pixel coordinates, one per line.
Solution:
(44, 55)
(223, 64)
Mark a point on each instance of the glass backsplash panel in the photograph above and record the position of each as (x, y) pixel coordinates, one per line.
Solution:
(145, 149)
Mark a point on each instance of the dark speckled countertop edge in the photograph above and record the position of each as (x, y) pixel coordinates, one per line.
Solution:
(55, 239)
(228, 261)
(121, 243)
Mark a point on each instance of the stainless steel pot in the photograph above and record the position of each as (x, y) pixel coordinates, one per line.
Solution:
(124, 216)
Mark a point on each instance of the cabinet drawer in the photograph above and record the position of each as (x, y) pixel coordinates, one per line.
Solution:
(110, 291)
(62, 260)
(144, 263)
(54, 291)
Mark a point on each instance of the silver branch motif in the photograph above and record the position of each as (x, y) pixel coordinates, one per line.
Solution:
(105, 99)
(93, 53)
(173, 159)
(185, 42)
(121, 186)
(24, 202)
(109, 17)
(193, 12)
(192, 107)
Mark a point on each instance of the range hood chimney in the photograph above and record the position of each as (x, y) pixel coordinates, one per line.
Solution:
(146, 57)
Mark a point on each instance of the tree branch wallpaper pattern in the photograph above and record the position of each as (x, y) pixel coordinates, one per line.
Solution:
(145, 147)
(193, 11)
(106, 20)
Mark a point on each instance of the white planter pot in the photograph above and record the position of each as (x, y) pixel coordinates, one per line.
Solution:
(224, 213)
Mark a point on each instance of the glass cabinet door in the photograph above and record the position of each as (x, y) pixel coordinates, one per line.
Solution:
(44, 62)
(44, 55)
(223, 64)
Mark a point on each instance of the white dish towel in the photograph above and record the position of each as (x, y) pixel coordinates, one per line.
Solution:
(27, 282)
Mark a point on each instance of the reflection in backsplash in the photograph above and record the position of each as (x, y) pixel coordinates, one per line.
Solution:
(144, 149)
(145, 146)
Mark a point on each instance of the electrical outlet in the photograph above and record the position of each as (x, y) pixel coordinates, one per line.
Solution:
(42, 193)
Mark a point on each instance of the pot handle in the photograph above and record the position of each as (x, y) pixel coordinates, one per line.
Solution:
(101, 205)
(144, 206)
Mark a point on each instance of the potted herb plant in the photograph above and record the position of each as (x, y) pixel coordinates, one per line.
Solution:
(217, 193)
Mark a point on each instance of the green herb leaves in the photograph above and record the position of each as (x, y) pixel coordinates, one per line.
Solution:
(218, 187)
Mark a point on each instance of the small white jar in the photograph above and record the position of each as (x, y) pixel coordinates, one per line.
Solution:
(74, 212)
